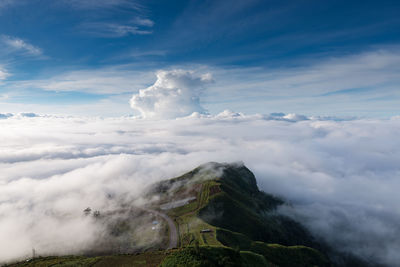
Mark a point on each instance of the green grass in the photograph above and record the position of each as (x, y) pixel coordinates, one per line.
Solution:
(187, 239)
(201, 201)
(189, 224)
(224, 211)
(212, 256)
(143, 259)
(292, 256)
(190, 227)
(280, 255)
(233, 240)
(250, 259)
(260, 254)
(182, 210)
(58, 262)
(239, 195)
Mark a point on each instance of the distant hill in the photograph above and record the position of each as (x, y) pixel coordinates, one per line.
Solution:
(214, 215)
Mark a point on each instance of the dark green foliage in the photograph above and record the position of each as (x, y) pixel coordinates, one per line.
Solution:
(146, 259)
(250, 259)
(256, 201)
(294, 256)
(165, 185)
(277, 254)
(239, 178)
(212, 257)
(267, 202)
(233, 240)
(242, 208)
(222, 211)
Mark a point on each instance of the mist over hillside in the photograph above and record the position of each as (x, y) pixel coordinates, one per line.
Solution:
(104, 102)
(339, 176)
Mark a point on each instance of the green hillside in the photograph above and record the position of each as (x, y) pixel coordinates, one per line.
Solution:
(214, 215)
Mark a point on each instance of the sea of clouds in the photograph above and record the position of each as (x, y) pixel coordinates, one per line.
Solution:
(341, 177)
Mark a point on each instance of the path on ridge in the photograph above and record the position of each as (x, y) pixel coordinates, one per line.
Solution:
(173, 233)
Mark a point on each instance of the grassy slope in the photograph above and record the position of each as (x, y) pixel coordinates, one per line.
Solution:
(244, 228)
(213, 256)
(190, 225)
(143, 259)
(240, 196)
(222, 204)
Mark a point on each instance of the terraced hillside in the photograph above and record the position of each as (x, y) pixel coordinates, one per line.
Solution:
(227, 209)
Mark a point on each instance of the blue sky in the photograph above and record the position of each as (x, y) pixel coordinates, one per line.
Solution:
(89, 57)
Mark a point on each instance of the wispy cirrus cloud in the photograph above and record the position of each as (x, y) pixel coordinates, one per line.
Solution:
(372, 69)
(95, 4)
(17, 45)
(143, 22)
(113, 30)
(364, 82)
(3, 73)
(112, 19)
(115, 80)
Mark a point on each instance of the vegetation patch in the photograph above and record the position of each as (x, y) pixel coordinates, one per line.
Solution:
(148, 259)
(293, 256)
(212, 256)
(233, 240)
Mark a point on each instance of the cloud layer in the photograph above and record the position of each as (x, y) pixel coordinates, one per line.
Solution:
(176, 93)
(338, 175)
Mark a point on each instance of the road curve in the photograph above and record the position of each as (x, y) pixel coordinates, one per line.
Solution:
(173, 233)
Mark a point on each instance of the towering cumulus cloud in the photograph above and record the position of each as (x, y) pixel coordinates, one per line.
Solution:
(176, 93)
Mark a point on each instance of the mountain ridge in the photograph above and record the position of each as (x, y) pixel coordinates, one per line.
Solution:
(221, 219)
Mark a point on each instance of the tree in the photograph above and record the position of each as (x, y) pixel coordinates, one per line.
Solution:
(87, 211)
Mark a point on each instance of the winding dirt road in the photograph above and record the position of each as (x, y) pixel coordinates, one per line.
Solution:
(173, 233)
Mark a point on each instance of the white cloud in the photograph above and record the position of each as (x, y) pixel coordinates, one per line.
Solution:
(176, 93)
(362, 83)
(100, 81)
(338, 175)
(19, 45)
(94, 4)
(3, 73)
(112, 30)
(359, 85)
(112, 18)
(143, 22)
